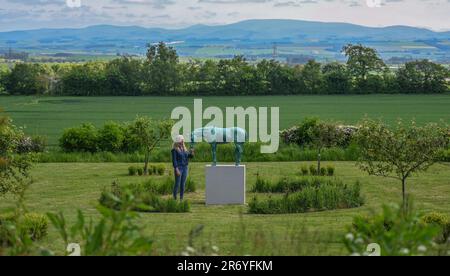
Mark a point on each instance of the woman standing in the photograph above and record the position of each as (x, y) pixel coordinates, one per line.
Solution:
(180, 161)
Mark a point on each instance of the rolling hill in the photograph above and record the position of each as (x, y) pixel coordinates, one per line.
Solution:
(241, 35)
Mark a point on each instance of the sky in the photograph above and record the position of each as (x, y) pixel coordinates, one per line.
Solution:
(33, 14)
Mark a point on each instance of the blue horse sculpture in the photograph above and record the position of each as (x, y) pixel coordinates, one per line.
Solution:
(216, 136)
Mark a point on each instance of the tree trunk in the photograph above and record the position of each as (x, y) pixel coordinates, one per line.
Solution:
(147, 157)
(319, 159)
(404, 193)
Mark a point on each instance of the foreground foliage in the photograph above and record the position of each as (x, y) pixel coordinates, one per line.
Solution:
(398, 232)
(115, 234)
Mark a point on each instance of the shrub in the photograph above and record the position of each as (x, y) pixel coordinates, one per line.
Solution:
(111, 137)
(132, 171)
(34, 144)
(440, 220)
(397, 231)
(286, 185)
(191, 186)
(157, 170)
(313, 170)
(304, 170)
(147, 195)
(326, 196)
(140, 171)
(29, 226)
(130, 142)
(33, 225)
(330, 170)
(323, 171)
(80, 139)
(6, 220)
(160, 169)
(262, 186)
(299, 134)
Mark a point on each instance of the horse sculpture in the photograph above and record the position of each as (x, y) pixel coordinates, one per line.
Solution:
(216, 136)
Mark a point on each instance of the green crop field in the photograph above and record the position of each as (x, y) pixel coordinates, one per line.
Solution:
(50, 115)
(68, 187)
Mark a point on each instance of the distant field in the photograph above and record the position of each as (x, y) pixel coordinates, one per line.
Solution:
(50, 115)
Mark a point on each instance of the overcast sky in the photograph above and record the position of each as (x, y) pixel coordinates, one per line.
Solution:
(31, 14)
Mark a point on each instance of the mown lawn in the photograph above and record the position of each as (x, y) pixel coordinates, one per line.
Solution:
(50, 115)
(68, 187)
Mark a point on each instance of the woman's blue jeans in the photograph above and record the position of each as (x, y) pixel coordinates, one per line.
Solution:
(180, 182)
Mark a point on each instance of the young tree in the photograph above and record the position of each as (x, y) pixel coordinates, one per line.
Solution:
(150, 133)
(400, 151)
(324, 135)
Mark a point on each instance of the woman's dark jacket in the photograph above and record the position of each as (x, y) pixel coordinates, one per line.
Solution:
(180, 159)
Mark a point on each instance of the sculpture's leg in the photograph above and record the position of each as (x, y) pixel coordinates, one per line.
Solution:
(238, 153)
(214, 153)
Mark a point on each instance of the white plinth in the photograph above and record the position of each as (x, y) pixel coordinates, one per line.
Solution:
(225, 185)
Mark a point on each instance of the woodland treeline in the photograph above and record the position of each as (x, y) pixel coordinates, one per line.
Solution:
(162, 74)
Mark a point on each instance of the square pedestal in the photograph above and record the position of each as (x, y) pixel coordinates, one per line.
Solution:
(225, 185)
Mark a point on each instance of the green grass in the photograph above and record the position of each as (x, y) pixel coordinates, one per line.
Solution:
(68, 187)
(50, 115)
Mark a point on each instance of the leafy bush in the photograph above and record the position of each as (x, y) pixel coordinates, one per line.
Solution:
(285, 185)
(29, 226)
(397, 231)
(6, 220)
(34, 225)
(313, 170)
(140, 171)
(330, 170)
(163, 186)
(440, 220)
(157, 170)
(132, 171)
(111, 137)
(304, 170)
(147, 196)
(326, 196)
(32, 144)
(191, 186)
(299, 134)
(323, 171)
(80, 139)
(130, 142)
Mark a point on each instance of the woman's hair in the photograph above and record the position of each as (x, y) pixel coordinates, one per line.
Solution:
(179, 143)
